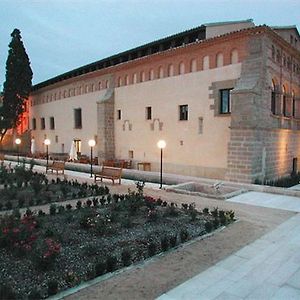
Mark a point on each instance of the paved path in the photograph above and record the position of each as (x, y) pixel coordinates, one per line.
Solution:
(269, 268)
(268, 200)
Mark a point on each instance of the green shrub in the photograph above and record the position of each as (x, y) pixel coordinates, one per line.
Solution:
(173, 240)
(78, 204)
(126, 257)
(35, 295)
(8, 205)
(111, 263)
(52, 209)
(100, 268)
(184, 235)
(164, 243)
(152, 249)
(216, 223)
(208, 227)
(52, 287)
(6, 292)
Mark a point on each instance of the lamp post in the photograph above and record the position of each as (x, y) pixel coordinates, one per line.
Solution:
(161, 145)
(18, 142)
(92, 144)
(47, 142)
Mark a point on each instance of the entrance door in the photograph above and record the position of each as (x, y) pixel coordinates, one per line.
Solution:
(78, 146)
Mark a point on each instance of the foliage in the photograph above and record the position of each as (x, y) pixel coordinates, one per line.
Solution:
(126, 257)
(17, 85)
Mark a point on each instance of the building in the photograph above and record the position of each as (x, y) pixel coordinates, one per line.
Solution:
(225, 97)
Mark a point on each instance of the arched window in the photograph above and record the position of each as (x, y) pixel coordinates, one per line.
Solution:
(160, 72)
(170, 70)
(293, 104)
(151, 74)
(193, 65)
(206, 62)
(284, 101)
(278, 56)
(86, 88)
(126, 80)
(273, 98)
(99, 85)
(234, 57)
(92, 87)
(65, 94)
(142, 76)
(120, 81)
(181, 68)
(106, 84)
(219, 60)
(134, 78)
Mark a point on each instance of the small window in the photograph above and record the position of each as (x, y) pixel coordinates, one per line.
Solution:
(52, 124)
(43, 125)
(148, 113)
(293, 104)
(130, 154)
(183, 112)
(219, 60)
(273, 99)
(56, 139)
(200, 125)
(34, 124)
(225, 105)
(77, 118)
(119, 114)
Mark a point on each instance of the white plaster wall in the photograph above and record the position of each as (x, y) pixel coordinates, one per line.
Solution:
(63, 112)
(164, 96)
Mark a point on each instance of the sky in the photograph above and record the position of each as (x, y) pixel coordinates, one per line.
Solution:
(61, 35)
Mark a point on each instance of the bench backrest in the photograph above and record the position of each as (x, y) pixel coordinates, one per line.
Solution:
(109, 171)
(59, 164)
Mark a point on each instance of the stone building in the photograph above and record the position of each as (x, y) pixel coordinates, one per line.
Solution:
(224, 96)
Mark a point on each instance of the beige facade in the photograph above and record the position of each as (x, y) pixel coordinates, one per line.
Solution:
(129, 102)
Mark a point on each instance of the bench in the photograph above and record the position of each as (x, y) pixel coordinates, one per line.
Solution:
(1, 159)
(109, 173)
(58, 166)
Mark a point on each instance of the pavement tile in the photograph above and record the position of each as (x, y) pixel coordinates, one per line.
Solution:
(286, 293)
(294, 280)
(264, 291)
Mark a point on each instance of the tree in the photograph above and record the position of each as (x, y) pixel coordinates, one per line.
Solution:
(17, 85)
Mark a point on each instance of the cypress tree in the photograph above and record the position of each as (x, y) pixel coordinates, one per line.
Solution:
(17, 85)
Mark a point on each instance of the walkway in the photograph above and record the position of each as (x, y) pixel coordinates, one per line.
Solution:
(269, 268)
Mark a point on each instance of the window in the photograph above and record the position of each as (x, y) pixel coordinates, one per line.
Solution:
(181, 68)
(183, 112)
(234, 57)
(284, 102)
(130, 154)
(219, 60)
(52, 124)
(34, 124)
(200, 125)
(170, 70)
(293, 104)
(225, 101)
(77, 118)
(151, 74)
(43, 125)
(160, 72)
(142, 76)
(193, 65)
(148, 113)
(273, 99)
(206, 62)
(119, 114)
(134, 78)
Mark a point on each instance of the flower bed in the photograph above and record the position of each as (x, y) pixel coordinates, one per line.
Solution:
(20, 187)
(75, 244)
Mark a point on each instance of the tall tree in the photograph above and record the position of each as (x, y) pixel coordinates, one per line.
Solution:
(17, 85)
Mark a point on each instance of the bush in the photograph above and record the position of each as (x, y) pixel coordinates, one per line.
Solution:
(173, 240)
(6, 292)
(8, 205)
(126, 257)
(52, 287)
(100, 268)
(184, 235)
(208, 227)
(164, 242)
(95, 201)
(35, 295)
(61, 209)
(78, 204)
(152, 249)
(111, 263)
(205, 211)
(52, 209)
(88, 203)
(215, 212)
(69, 207)
(216, 223)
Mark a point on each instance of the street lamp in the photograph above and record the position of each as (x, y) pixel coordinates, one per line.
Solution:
(18, 142)
(92, 144)
(161, 145)
(47, 142)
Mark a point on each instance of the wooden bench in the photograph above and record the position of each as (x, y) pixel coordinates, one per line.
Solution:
(109, 173)
(58, 166)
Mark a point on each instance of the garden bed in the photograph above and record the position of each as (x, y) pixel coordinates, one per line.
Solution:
(75, 244)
